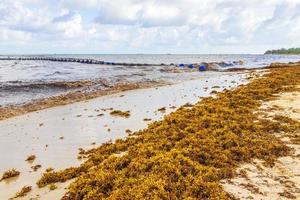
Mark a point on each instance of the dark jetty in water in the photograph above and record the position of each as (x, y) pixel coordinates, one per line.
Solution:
(207, 66)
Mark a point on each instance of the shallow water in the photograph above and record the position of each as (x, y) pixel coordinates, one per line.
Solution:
(22, 81)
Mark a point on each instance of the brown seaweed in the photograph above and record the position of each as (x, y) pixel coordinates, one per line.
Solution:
(120, 113)
(10, 174)
(23, 192)
(185, 155)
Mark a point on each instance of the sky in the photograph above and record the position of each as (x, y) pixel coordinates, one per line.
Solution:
(148, 26)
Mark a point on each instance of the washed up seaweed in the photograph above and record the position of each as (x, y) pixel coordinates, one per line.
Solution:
(30, 158)
(185, 155)
(23, 192)
(10, 174)
(120, 113)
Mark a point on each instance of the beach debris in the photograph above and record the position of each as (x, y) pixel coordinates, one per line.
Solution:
(78, 115)
(41, 124)
(147, 119)
(122, 95)
(202, 68)
(93, 143)
(36, 167)
(23, 192)
(120, 113)
(30, 158)
(162, 109)
(191, 66)
(10, 174)
(108, 129)
(101, 114)
(61, 137)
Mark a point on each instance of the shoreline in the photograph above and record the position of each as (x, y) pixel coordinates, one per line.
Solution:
(77, 96)
(56, 123)
(257, 181)
(194, 147)
(69, 98)
(79, 126)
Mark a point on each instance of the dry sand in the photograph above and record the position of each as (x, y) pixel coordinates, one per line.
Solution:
(255, 181)
(55, 134)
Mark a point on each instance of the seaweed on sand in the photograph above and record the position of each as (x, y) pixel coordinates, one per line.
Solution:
(185, 155)
(23, 192)
(120, 113)
(9, 174)
(52, 186)
(162, 109)
(30, 158)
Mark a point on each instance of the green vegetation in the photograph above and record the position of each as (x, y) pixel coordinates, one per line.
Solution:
(284, 51)
(185, 155)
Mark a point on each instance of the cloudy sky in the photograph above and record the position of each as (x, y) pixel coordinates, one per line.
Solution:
(148, 26)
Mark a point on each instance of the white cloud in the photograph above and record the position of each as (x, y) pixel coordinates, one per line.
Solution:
(106, 26)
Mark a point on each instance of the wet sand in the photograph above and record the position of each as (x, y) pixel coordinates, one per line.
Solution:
(282, 181)
(55, 134)
(71, 97)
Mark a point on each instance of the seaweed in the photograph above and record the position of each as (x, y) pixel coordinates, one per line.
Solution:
(216, 86)
(162, 109)
(185, 155)
(128, 131)
(49, 169)
(120, 113)
(30, 158)
(36, 167)
(10, 174)
(23, 192)
(52, 186)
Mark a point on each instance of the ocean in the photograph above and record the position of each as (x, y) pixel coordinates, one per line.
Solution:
(22, 81)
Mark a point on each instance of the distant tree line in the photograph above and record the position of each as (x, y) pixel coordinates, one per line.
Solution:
(284, 51)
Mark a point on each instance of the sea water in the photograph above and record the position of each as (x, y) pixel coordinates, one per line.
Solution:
(22, 81)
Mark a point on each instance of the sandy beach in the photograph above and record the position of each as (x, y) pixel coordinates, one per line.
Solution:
(202, 146)
(59, 136)
(149, 100)
(282, 181)
(55, 134)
